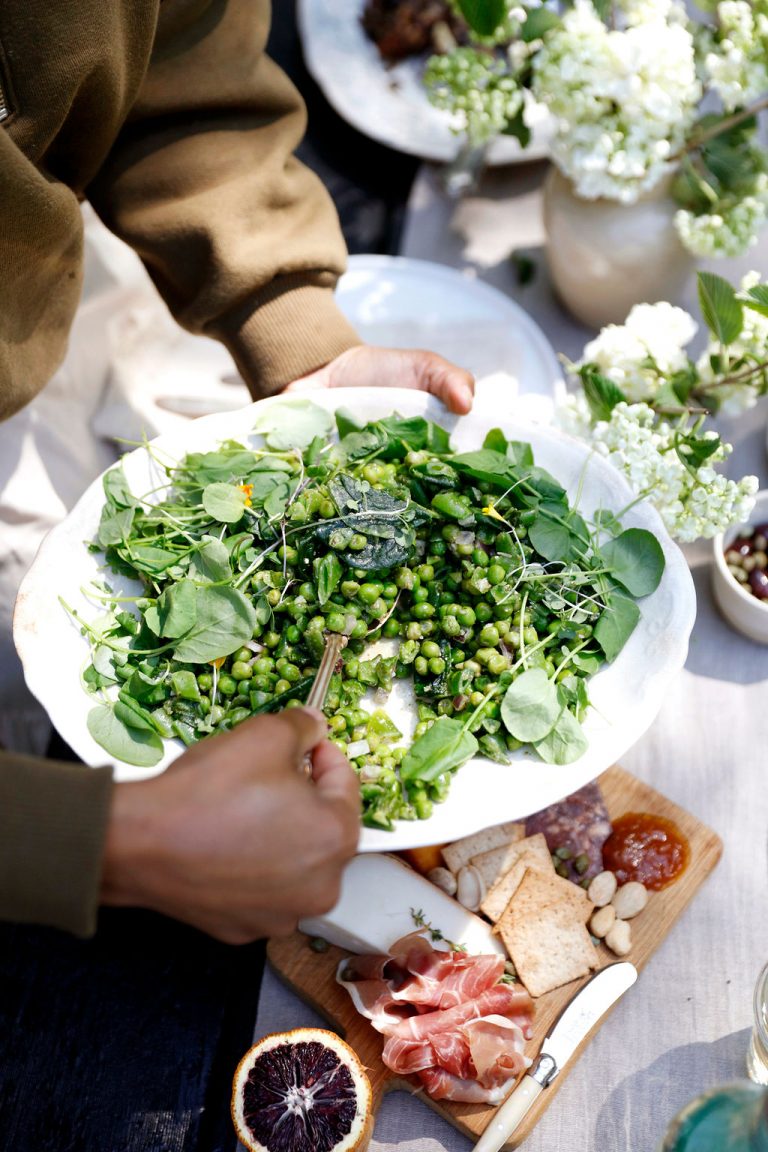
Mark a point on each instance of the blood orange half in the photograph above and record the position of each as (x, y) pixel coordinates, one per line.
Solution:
(302, 1091)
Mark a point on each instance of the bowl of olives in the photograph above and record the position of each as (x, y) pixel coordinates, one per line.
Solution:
(740, 573)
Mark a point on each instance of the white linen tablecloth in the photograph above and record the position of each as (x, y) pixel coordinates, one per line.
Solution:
(685, 1026)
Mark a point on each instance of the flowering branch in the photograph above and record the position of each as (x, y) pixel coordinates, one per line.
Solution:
(722, 126)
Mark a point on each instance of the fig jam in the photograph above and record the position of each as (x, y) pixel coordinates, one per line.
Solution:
(648, 848)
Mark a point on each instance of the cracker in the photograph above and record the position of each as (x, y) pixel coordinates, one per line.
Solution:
(459, 853)
(493, 865)
(546, 939)
(498, 897)
(550, 889)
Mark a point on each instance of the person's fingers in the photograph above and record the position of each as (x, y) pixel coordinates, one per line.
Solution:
(448, 382)
(335, 778)
(307, 727)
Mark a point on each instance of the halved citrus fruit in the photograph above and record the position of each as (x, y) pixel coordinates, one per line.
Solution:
(302, 1091)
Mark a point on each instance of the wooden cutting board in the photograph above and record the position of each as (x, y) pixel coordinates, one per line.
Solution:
(312, 975)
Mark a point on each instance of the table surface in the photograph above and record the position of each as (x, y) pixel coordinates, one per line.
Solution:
(127, 1043)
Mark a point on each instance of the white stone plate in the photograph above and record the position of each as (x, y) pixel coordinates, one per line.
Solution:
(390, 104)
(626, 695)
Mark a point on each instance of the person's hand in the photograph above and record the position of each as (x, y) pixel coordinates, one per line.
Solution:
(233, 839)
(367, 367)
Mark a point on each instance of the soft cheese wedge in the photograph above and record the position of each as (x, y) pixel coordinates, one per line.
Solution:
(374, 909)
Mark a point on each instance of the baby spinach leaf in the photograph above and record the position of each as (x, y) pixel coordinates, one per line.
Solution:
(328, 573)
(138, 746)
(616, 624)
(443, 747)
(293, 424)
(224, 502)
(210, 561)
(565, 742)
(224, 621)
(636, 560)
(531, 706)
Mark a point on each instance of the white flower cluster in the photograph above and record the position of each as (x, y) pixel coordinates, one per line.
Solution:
(738, 65)
(732, 229)
(641, 353)
(691, 503)
(477, 88)
(752, 344)
(624, 100)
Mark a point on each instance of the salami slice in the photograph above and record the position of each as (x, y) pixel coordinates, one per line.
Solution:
(575, 828)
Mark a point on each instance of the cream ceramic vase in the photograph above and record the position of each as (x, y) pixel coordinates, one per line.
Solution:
(605, 256)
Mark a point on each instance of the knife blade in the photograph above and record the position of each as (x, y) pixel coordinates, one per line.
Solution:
(577, 1019)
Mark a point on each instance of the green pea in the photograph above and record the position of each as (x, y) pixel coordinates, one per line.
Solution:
(242, 654)
(240, 670)
(216, 715)
(451, 504)
(450, 626)
(287, 553)
(437, 548)
(437, 665)
(420, 595)
(422, 611)
(465, 615)
(480, 557)
(358, 542)
(404, 578)
(391, 628)
(496, 574)
(426, 572)
(414, 631)
(282, 686)
(498, 664)
(205, 681)
(327, 509)
(430, 649)
(307, 590)
(335, 622)
(530, 635)
(349, 588)
(227, 686)
(369, 593)
(483, 612)
(359, 630)
(421, 665)
(297, 513)
(337, 723)
(489, 636)
(374, 472)
(261, 683)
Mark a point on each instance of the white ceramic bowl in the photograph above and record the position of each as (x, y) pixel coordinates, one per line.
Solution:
(741, 609)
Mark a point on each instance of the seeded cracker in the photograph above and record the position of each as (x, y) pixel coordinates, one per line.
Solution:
(544, 932)
(494, 865)
(459, 853)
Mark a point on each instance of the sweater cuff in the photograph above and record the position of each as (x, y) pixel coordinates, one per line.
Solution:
(295, 328)
(53, 821)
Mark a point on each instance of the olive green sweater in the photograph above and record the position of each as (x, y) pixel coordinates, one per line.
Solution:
(169, 118)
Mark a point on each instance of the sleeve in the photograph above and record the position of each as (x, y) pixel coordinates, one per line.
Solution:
(241, 240)
(53, 821)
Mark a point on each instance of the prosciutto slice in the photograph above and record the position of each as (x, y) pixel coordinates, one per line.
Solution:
(447, 1018)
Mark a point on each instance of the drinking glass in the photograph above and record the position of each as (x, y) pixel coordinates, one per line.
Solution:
(757, 1056)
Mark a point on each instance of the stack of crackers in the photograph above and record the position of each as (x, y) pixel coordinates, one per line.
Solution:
(540, 917)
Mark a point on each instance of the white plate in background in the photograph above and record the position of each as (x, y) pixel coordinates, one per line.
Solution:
(389, 102)
(626, 695)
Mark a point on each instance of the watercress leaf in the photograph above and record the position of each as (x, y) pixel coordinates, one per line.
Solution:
(355, 445)
(276, 501)
(138, 746)
(722, 310)
(530, 706)
(116, 488)
(416, 432)
(115, 525)
(209, 562)
(483, 16)
(557, 535)
(132, 714)
(176, 610)
(757, 299)
(586, 663)
(225, 620)
(601, 393)
(565, 742)
(616, 624)
(517, 452)
(103, 662)
(293, 424)
(606, 521)
(442, 748)
(636, 560)
(224, 502)
(328, 573)
(149, 558)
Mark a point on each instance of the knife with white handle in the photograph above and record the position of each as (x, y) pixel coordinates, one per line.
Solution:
(576, 1020)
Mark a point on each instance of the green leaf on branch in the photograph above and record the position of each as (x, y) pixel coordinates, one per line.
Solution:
(601, 392)
(694, 450)
(531, 706)
(636, 561)
(757, 299)
(483, 16)
(517, 126)
(537, 23)
(722, 311)
(443, 748)
(616, 624)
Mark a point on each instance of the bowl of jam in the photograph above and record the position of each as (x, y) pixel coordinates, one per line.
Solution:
(740, 573)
